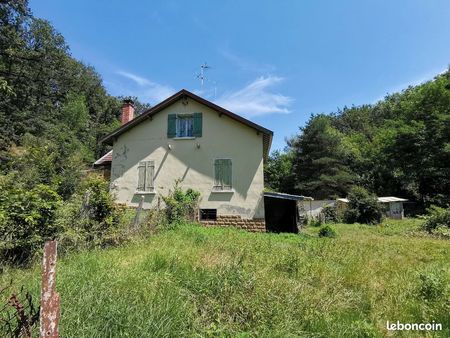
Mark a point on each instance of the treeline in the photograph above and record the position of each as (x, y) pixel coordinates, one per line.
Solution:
(399, 146)
(53, 111)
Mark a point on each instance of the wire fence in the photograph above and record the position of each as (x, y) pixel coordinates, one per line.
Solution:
(18, 314)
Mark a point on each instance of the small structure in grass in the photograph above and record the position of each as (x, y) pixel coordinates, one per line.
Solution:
(392, 206)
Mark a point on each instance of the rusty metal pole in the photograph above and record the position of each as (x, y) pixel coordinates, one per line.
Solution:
(49, 316)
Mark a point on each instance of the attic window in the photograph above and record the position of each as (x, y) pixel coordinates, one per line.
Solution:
(185, 126)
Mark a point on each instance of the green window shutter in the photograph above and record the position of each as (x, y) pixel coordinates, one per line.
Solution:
(227, 177)
(198, 124)
(149, 175)
(218, 174)
(222, 174)
(171, 125)
(141, 176)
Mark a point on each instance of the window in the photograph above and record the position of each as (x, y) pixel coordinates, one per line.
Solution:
(208, 214)
(222, 174)
(184, 125)
(146, 172)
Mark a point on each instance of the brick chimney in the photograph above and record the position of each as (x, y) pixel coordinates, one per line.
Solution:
(127, 110)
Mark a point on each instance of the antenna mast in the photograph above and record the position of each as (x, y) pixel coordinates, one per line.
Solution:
(202, 76)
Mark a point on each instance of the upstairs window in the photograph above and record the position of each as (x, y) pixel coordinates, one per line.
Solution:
(222, 174)
(146, 172)
(184, 125)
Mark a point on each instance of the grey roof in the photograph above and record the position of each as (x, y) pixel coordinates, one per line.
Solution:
(287, 196)
(380, 199)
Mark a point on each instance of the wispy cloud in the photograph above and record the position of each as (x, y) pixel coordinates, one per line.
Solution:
(257, 98)
(244, 63)
(146, 90)
(139, 80)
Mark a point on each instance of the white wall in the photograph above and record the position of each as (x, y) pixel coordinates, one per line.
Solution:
(313, 208)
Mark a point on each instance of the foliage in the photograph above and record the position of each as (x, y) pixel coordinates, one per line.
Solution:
(399, 146)
(90, 218)
(315, 221)
(320, 161)
(215, 282)
(26, 220)
(362, 207)
(180, 205)
(278, 174)
(432, 285)
(329, 214)
(437, 221)
(327, 231)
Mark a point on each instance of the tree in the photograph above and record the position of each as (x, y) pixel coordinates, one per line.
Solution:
(362, 207)
(320, 161)
(278, 175)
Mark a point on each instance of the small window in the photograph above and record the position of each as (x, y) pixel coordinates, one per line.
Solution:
(208, 214)
(146, 172)
(222, 174)
(185, 126)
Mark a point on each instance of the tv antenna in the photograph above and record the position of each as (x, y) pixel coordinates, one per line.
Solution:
(202, 76)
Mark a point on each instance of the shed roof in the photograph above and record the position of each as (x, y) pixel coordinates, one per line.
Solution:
(391, 199)
(387, 199)
(105, 159)
(287, 196)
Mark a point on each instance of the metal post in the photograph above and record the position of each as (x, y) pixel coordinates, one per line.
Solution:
(50, 311)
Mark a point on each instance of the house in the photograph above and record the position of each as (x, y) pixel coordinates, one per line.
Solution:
(210, 149)
(392, 206)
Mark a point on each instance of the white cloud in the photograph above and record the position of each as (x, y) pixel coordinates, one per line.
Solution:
(147, 91)
(257, 99)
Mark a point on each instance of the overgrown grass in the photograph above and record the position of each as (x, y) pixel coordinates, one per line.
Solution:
(194, 281)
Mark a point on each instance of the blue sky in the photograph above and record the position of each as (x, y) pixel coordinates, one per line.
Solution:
(274, 62)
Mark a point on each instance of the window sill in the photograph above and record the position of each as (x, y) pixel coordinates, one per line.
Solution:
(229, 191)
(184, 138)
(145, 192)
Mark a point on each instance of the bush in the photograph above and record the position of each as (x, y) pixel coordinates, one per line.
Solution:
(180, 205)
(26, 220)
(327, 231)
(329, 214)
(363, 207)
(432, 285)
(437, 221)
(315, 222)
(90, 218)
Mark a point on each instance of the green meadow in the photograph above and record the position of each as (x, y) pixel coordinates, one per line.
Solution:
(221, 282)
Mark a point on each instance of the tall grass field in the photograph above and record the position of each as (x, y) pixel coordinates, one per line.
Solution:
(220, 282)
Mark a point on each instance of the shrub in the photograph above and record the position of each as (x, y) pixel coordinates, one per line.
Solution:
(90, 218)
(432, 285)
(180, 205)
(315, 222)
(26, 220)
(437, 220)
(363, 207)
(327, 231)
(329, 214)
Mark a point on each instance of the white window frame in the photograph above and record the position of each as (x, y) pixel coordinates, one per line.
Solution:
(177, 126)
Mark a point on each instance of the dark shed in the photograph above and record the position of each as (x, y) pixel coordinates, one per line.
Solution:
(281, 211)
